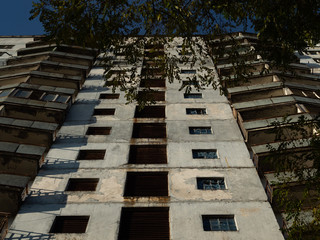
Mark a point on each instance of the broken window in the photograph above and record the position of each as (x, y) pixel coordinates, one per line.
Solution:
(150, 112)
(219, 223)
(211, 183)
(148, 154)
(104, 111)
(196, 111)
(146, 184)
(109, 96)
(98, 131)
(204, 153)
(91, 154)
(70, 224)
(82, 184)
(193, 95)
(144, 223)
(200, 130)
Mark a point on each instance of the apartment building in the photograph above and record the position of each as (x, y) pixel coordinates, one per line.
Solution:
(178, 169)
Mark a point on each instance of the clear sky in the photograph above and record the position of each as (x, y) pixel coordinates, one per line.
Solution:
(14, 18)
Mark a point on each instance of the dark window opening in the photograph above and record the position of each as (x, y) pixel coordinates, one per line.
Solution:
(104, 111)
(109, 96)
(22, 93)
(144, 223)
(148, 154)
(70, 224)
(82, 184)
(150, 112)
(146, 184)
(156, 82)
(219, 223)
(153, 96)
(211, 184)
(149, 130)
(98, 131)
(196, 111)
(6, 46)
(204, 153)
(91, 154)
(188, 71)
(193, 95)
(200, 130)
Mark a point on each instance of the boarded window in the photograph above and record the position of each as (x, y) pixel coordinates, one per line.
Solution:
(150, 112)
(154, 96)
(149, 130)
(211, 183)
(196, 111)
(70, 224)
(157, 82)
(109, 96)
(148, 154)
(146, 184)
(144, 223)
(104, 111)
(204, 153)
(200, 130)
(219, 223)
(193, 95)
(82, 184)
(91, 154)
(98, 131)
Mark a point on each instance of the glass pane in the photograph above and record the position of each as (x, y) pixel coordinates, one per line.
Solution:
(49, 97)
(62, 99)
(5, 93)
(22, 94)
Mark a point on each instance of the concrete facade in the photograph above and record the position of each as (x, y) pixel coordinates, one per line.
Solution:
(243, 197)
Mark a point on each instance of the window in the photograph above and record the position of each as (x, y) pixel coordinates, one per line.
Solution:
(196, 111)
(189, 71)
(155, 96)
(211, 184)
(82, 184)
(70, 224)
(104, 111)
(204, 153)
(200, 130)
(109, 96)
(6, 46)
(148, 154)
(5, 93)
(149, 130)
(91, 154)
(22, 93)
(192, 82)
(219, 223)
(146, 184)
(144, 223)
(150, 112)
(51, 97)
(193, 95)
(98, 131)
(156, 82)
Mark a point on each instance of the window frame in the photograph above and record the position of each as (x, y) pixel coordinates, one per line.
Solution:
(207, 226)
(196, 111)
(193, 130)
(202, 186)
(195, 153)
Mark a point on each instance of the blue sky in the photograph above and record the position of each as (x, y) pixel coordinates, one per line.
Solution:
(14, 18)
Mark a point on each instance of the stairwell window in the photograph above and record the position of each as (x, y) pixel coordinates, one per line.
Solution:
(193, 95)
(204, 153)
(211, 183)
(200, 130)
(219, 223)
(196, 111)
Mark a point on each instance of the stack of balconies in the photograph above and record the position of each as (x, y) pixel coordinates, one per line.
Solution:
(37, 87)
